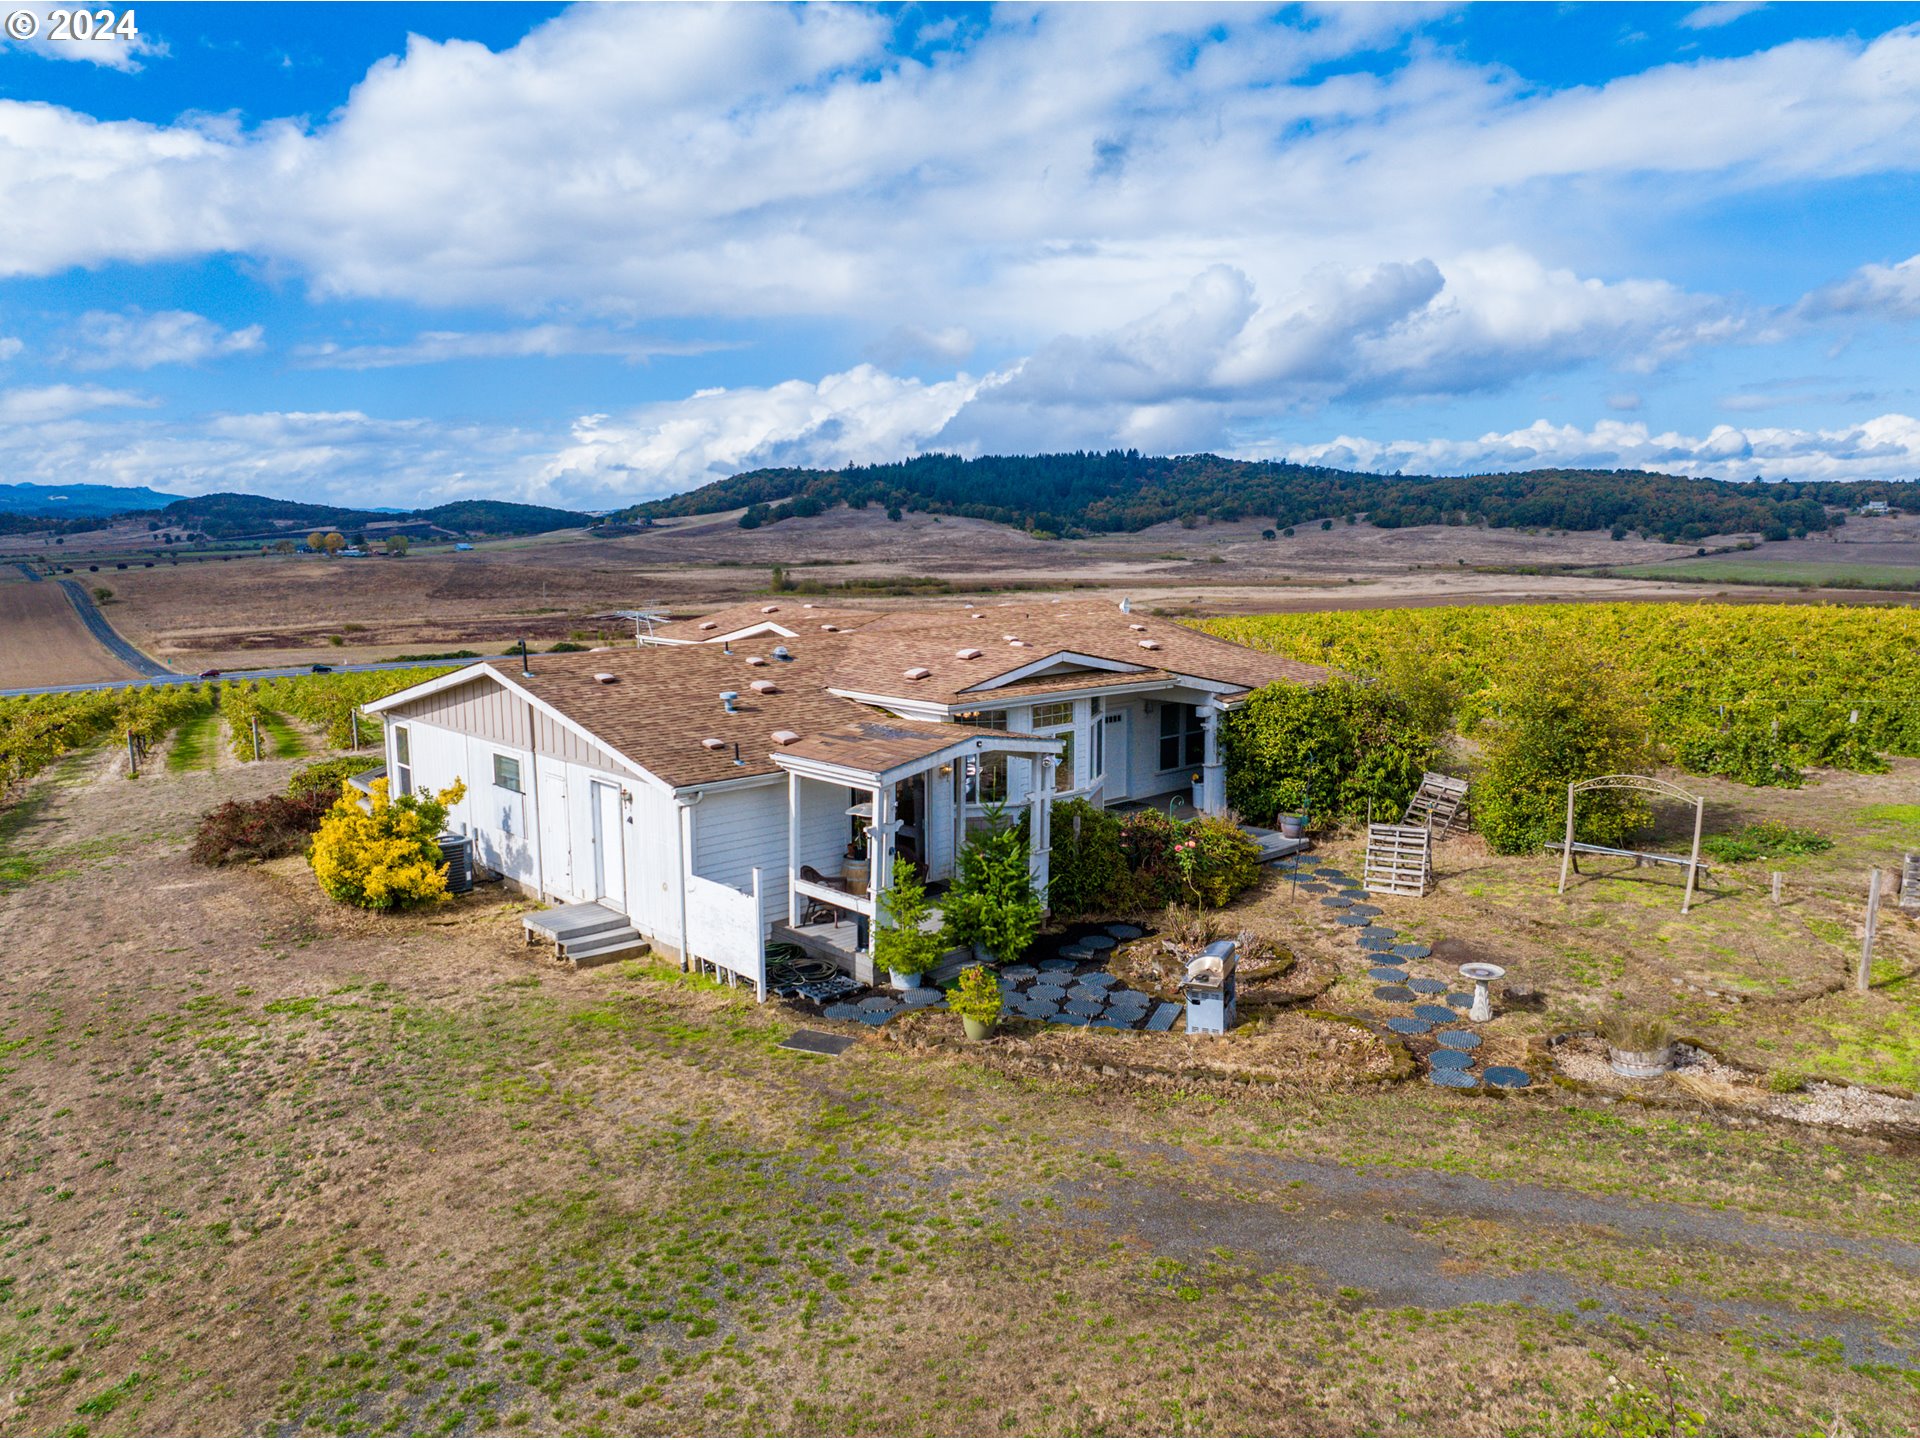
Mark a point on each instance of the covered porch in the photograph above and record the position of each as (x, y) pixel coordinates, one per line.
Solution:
(864, 795)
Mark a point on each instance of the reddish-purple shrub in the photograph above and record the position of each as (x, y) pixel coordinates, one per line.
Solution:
(259, 829)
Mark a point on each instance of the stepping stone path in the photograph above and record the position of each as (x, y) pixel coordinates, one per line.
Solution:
(1392, 959)
(920, 999)
(1071, 988)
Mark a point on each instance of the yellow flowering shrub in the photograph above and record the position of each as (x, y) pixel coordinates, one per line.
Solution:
(388, 855)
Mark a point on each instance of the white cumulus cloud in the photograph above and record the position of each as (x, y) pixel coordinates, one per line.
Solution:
(137, 340)
(433, 347)
(35, 403)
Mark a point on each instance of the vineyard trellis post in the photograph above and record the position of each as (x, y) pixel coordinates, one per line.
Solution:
(1865, 977)
(133, 757)
(1777, 879)
(254, 721)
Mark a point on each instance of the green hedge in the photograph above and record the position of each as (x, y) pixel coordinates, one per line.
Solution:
(1324, 751)
(1102, 863)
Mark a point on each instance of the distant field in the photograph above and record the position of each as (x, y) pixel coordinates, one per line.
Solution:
(1741, 570)
(45, 642)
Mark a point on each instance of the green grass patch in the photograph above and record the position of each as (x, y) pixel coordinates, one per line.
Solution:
(287, 741)
(1804, 574)
(196, 743)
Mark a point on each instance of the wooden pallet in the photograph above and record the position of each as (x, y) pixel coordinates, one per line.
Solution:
(1440, 804)
(1910, 883)
(1399, 860)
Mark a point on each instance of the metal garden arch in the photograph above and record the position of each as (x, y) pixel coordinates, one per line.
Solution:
(1649, 785)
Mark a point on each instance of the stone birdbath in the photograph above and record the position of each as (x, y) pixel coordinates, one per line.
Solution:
(1482, 975)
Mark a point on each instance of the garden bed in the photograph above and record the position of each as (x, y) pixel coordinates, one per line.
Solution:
(1700, 1076)
(1282, 1052)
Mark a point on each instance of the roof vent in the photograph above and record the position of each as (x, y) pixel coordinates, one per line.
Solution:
(1009, 637)
(727, 697)
(918, 672)
(756, 659)
(768, 609)
(1016, 644)
(968, 654)
(780, 652)
(606, 677)
(1149, 644)
(765, 687)
(830, 628)
(709, 624)
(713, 744)
(786, 737)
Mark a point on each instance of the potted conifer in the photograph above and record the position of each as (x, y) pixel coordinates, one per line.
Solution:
(905, 948)
(976, 1000)
(992, 905)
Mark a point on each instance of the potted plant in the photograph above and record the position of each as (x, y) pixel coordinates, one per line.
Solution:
(1639, 1047)
(904, 948)
(992, 906)
(976, 1000)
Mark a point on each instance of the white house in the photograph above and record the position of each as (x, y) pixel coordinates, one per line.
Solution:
(724, 780)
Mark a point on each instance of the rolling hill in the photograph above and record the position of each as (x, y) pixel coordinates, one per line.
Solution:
(1124, 490)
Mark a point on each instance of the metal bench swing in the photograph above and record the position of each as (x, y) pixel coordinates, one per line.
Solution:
(1571, 849)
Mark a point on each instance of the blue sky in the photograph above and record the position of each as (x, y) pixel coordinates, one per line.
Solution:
(586, 255)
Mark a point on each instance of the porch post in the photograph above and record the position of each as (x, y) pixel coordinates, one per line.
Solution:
(793, 849)
(1213, 774)
(1039, 807)
(880, 848)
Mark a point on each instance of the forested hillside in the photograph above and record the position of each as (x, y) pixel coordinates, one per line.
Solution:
(228, 516)
(1125, 490)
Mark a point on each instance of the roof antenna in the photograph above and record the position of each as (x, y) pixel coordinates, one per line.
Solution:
(726, 646)
(736, 754)
(525, 668)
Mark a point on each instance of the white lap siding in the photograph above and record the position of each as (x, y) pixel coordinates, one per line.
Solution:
(737, 830)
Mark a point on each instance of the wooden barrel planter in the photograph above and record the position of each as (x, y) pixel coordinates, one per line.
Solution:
(1640, 1064)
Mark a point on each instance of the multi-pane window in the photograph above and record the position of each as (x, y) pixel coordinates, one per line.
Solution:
(402, 763)
(506, 773)
(1059, 712)
(1183, 737)
(983, 719)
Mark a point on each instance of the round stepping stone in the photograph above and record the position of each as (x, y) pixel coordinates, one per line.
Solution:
(1508, 1075)
(1057, 965)
(1413, 952)
(1452, 1079)
(1076, 952)
(1367, 910)
(1020, 974)
(843, 1012)
(1388, 974)
(1397, 994)
(1460, 1000)
(1353, 892)
(1457, 1039)
(1354, 920)
(1435, 1014)
(1376, 950)
(1336, 902)
(875, 1017)
(1329, 872)
(1108, 1022)
(1128, 1000)
(1313, 887)
(916, 999)
(1080, 1005)
(879, 1004)
(1429, 987)
(1379, 932)
(1407, 1025)
(1450, 1060)
(1102, 978)
(1069, 1017)
(1100, 942)
(1125, 932)
(1044, 991)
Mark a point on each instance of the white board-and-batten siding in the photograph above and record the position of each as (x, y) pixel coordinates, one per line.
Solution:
(489, 711)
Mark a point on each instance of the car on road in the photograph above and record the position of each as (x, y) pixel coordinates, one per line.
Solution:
(209, 674)
(319, 669)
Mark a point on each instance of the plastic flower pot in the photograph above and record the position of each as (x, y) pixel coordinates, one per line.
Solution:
(979, 1029)
(1292, 827)
(904, 979)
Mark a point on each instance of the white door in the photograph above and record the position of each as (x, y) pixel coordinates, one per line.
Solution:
(1117, 729)
(609, 847)
(556, 833)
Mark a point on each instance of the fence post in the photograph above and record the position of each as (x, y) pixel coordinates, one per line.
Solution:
(1873, 919)
(133, 757)
(1777, 877)
(255, 723)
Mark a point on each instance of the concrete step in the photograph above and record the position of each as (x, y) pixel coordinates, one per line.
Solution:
(573, 922)
(604, 949)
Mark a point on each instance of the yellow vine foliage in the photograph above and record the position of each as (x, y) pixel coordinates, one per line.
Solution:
(386, 856)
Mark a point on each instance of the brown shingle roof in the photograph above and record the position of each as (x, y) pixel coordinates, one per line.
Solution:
(886, 649)
(878, 743)
(801, 617)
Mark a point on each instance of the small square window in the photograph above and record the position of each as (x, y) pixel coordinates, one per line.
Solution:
(1058, 712)
(506, 773)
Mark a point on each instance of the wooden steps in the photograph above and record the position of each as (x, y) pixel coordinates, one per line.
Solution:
(1399, 860)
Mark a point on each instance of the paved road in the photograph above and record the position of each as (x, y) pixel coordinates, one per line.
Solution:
(27, 570)
(168, 677)
(115, 643)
